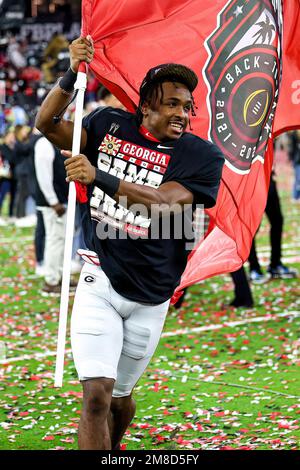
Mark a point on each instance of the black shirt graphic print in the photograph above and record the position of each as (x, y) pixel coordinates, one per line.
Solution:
(132, 163)
(140, 267)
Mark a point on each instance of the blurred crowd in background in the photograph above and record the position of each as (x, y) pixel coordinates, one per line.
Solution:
(27, 75)
(34, 52)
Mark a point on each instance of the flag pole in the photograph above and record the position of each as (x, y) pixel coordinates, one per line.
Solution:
(80, 85)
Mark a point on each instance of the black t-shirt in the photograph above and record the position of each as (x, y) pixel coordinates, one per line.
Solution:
(140, 266)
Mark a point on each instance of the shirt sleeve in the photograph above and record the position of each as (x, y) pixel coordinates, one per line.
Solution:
(92, 123)
(202, 175)
(43, 161)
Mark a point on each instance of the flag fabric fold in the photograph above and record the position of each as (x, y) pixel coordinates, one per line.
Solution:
(81, 193)
(236, 49)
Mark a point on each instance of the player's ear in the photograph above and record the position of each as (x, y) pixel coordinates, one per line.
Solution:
(144, 107)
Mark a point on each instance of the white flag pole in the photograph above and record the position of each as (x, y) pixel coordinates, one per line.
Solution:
(80, 85)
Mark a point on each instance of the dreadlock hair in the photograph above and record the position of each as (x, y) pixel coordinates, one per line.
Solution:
(152, 95)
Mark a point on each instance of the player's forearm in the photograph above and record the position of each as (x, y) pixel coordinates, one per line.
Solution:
(79, 168)
(141, 194)
(128, 193)
(168, 197)
(54, 103)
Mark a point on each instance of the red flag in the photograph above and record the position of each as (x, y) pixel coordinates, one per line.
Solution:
(81, 192)
(235, 48)
(288, 111)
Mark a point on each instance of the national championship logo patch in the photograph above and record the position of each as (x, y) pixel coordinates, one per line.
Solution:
(243, 74)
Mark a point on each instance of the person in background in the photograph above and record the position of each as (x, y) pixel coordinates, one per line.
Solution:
(276, 268)
(91, 88)
(243, 296)
(242, 291)
(51, 200)
(39, 234)
(57, 44)
(15, 53)
(6, 163)
(294, 155)
(39, 244)
(23, 171)
(106, 98)
(42, 265)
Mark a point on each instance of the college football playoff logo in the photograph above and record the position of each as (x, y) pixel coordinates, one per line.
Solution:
(243, 73)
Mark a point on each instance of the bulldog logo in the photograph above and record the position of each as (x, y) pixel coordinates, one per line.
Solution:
(243, 73)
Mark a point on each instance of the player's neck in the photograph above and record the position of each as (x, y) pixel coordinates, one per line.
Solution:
(147, 134)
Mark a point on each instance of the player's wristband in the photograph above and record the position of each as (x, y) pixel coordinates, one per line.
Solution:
(67, 82)
(108, 183)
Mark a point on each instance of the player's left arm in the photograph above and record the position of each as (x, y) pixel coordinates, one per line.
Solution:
(167, 196)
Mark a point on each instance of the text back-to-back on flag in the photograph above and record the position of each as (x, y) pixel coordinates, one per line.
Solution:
(236, 49)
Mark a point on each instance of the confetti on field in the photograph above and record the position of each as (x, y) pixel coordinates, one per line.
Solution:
(228, 388)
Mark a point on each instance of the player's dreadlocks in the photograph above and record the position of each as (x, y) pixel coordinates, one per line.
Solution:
(152, 96)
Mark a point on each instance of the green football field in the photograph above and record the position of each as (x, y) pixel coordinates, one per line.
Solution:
(221, 378)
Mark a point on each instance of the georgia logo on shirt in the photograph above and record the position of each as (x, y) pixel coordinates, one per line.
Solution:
(135, 164)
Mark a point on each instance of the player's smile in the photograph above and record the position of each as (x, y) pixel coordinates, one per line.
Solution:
(177, 126)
